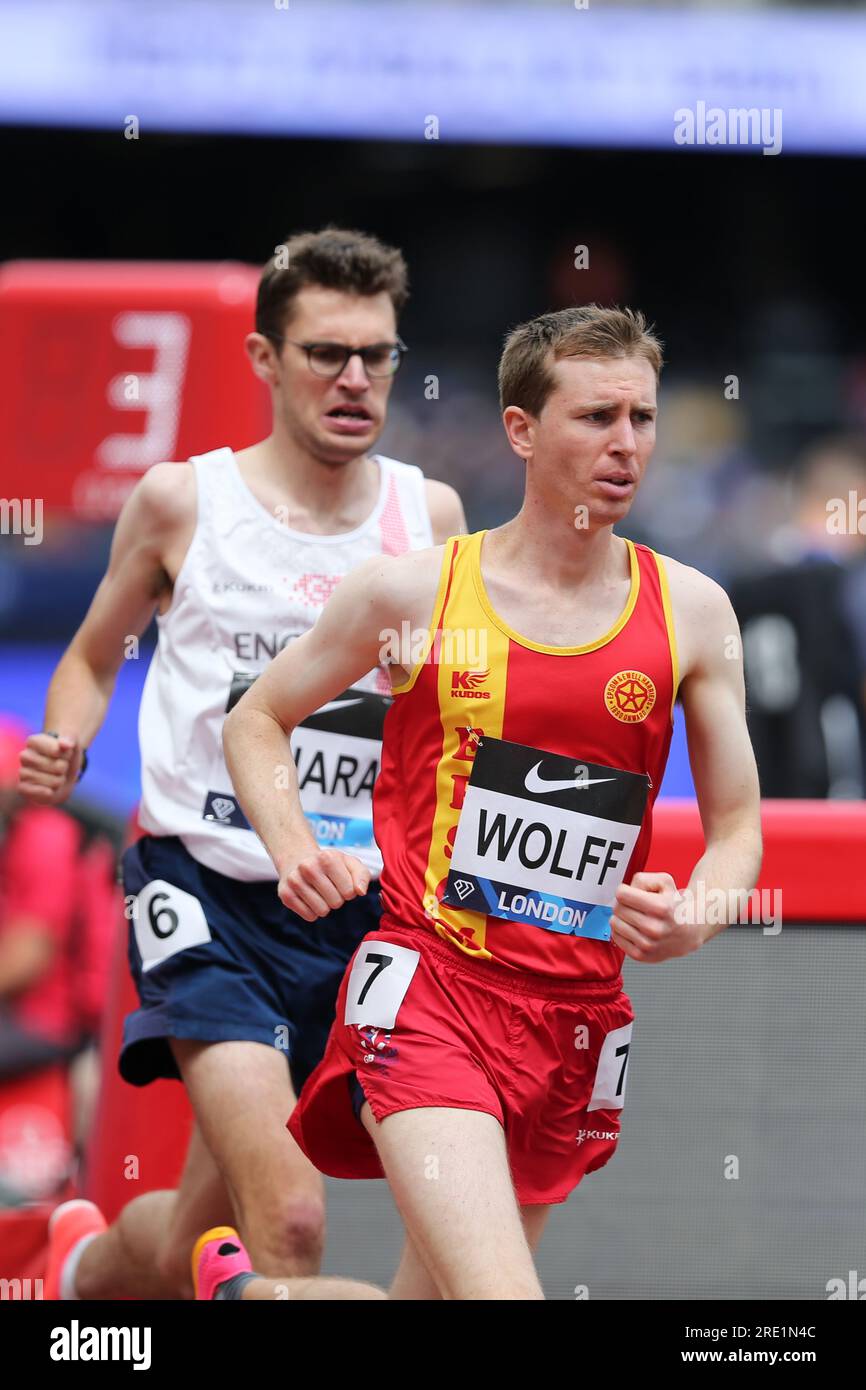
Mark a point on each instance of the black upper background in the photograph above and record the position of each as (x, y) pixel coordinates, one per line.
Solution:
(709, 241)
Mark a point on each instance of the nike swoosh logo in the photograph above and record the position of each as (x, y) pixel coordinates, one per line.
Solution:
(337, 704)
(534, 783)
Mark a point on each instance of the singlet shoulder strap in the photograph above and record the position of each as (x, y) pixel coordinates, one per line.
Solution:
(407, 483)
(668, 610)
(458, 549)
(213, 469)
(453, 549)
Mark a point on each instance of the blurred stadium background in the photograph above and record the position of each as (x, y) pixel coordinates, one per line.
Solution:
(491, 141)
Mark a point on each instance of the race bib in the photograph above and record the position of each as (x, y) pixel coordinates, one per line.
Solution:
(377, 986)
(608, 1093)
(167, 920)
(338, 753)
(544, 839)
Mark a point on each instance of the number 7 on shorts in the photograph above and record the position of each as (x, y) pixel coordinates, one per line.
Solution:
(608, 1093)
(380, 977)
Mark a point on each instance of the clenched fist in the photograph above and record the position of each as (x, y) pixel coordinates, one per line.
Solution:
(646, 923)
(49, 769)
(321, 881)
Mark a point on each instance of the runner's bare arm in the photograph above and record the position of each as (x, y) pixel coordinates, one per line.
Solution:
(159, 510)
(447, 517)
(720, 751)
(657, 921)
(346, 642)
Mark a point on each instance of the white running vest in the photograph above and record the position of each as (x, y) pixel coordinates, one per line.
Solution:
(247, 586)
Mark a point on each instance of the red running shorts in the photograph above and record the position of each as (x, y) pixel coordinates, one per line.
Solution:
(419, 1025)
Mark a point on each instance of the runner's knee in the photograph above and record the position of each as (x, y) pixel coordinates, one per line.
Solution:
(302, 1225)
(294, 1231)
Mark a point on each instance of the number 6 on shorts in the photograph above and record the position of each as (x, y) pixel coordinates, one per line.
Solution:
(380, 977)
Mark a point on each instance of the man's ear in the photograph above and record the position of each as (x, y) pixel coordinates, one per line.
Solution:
(520, 429)
(263, 358)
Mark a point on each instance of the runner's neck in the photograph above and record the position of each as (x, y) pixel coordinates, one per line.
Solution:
(312, 496)
(557, 557)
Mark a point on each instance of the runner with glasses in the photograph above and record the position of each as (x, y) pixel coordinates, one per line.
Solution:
(332, 359)
(237, 554)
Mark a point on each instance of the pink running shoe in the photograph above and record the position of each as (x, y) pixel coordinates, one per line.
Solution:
(218, 1255)
(67, 1225)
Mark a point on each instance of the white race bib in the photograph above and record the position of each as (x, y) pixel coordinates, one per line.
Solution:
(608, 1093)
(167, 920)
(544, 839)
(380, 977)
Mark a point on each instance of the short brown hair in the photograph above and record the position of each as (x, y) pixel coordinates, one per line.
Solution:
(587, 330)
(335, 258)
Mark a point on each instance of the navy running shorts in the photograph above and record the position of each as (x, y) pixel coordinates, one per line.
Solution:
(218, 960)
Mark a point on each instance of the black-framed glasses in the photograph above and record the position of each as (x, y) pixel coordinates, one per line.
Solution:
(331, 359)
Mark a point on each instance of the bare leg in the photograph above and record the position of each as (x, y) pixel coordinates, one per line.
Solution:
(534, 1221)
(460, 1211)
(242, 1097)
(137, 1256)
(243, 1169)
(414, 1281)
(317, 1290)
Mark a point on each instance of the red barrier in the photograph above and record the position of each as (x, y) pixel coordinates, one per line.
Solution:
(139, 362)
(139, 1135)
(814, 851)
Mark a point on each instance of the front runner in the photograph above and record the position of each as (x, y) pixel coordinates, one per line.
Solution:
(238, 553)
(482, 1037)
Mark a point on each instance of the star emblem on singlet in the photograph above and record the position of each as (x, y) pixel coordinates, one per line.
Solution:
(629, 696)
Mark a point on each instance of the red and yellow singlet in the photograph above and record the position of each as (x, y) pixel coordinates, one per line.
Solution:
(549, 759)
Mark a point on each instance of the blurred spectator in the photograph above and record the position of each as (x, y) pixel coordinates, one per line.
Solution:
(39, 849)
(59, 907)
(804, 634)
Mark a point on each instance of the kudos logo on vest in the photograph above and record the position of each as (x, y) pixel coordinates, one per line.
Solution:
(464, 685)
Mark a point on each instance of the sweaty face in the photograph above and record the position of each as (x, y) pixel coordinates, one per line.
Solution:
(335, 419)
(596, 432)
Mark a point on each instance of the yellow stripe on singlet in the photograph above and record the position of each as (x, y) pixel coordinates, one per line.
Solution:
(434, 622)
(669, 624)
(467, 631)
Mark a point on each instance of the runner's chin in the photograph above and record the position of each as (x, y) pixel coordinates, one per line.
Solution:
(340, 446)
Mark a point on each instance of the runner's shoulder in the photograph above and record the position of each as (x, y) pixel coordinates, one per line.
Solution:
(390, 573)
(444, 506)
(704, 618)
(397, 585)
(165, 496)
(693, 592)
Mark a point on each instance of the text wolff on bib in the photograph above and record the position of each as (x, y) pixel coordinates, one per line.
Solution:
(544, 839)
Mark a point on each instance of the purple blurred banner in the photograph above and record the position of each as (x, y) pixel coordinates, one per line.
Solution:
(522, 74)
